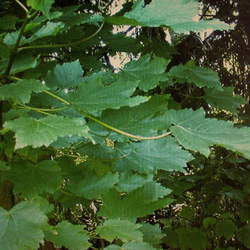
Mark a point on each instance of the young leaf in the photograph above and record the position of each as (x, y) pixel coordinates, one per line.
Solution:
(21, 91)
(38, 132)
(65, 76)
(31, 180)
(224, 99)
(193, 131)
(68, 235)
(119, 229)
(22, 227)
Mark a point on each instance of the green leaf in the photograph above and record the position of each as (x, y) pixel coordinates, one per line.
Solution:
(199, 76)
(92, 95)
(39, 132)
(209, 222)
(91, 185)
(192, 238)
(8, 22)
(131, 246)
(152, 234)
(193, 131)
(224, 99)
(225, 228)
(48, 29)
(148, 71)
(65, 76)
(145, 119)
(21, 91)
(179, 15)
(150, 155)
(22, 62)
(42, 5)
(68, 235)
(21, 227)
(138, 203)
(200, 26)
(129, 181)
(4, 166)
(31, 180)
(119, 229)
(243, 235)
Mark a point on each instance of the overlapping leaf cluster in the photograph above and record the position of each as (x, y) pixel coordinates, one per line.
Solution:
(77, 134)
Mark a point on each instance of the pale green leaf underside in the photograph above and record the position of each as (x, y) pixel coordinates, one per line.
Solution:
(68, 235)
(193, 131)
(38, 132)
(120, 229)
(180, 16)
(20, 92)
(21, 227)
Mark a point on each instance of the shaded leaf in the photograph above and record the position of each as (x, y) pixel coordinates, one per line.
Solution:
(152, 234)
(224, 99)
(199, 76)
(31, 180)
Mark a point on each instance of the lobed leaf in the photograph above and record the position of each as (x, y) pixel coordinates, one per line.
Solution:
(22, 227)
(21, 91)
(38, 132)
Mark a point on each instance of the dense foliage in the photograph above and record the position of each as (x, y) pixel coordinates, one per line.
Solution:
(150, 155)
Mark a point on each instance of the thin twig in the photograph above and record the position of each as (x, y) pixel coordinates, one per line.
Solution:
(22, 6)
